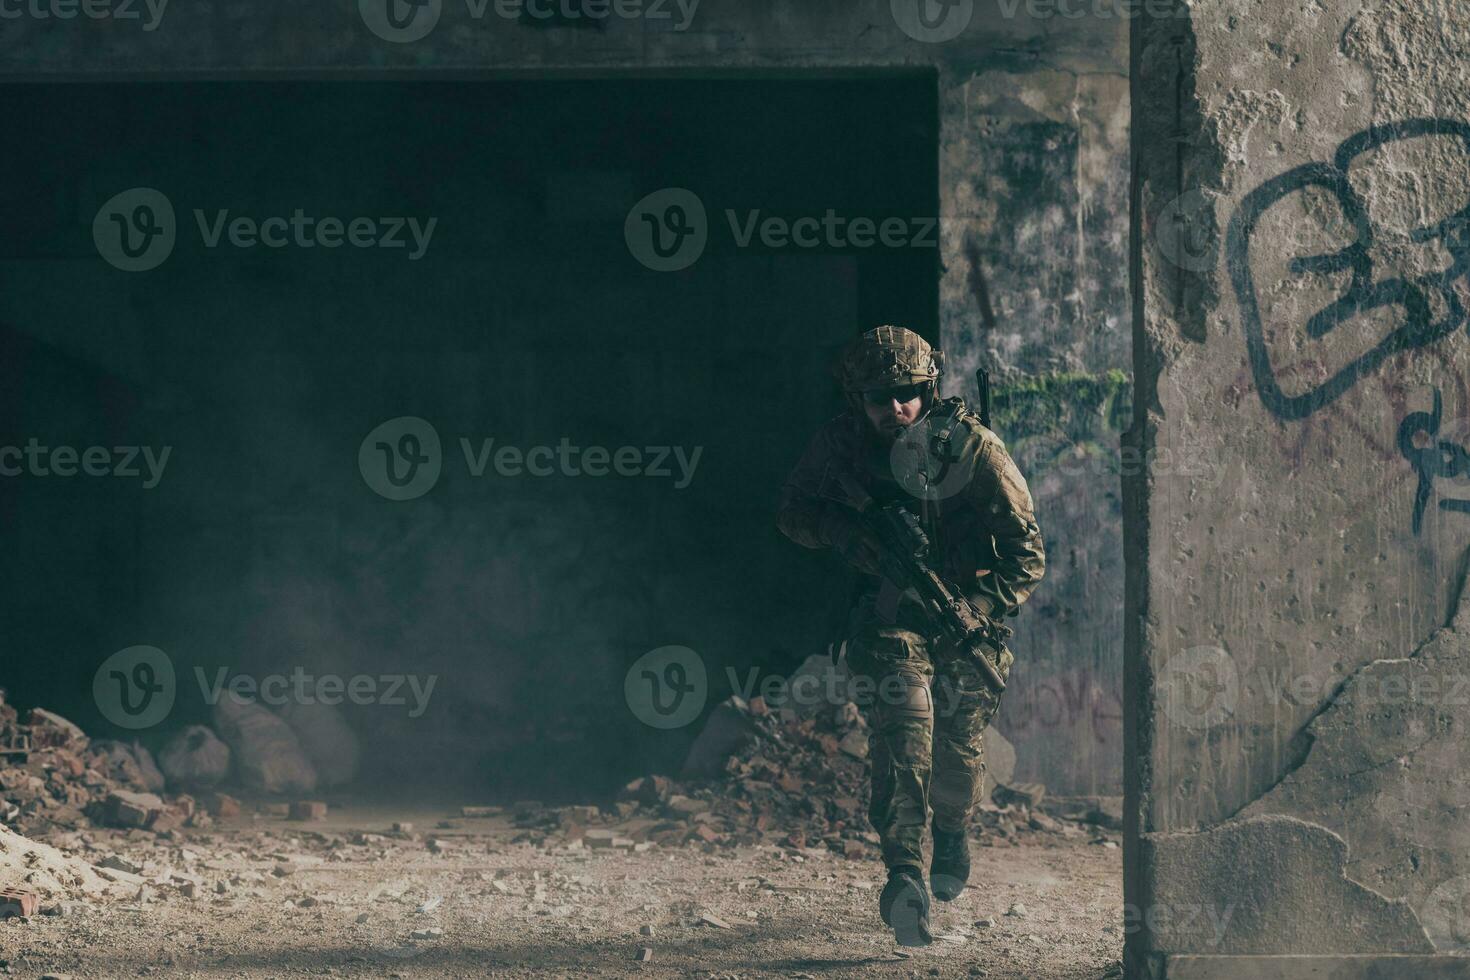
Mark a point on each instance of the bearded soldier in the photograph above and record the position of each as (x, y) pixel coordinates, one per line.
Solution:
(898, 442)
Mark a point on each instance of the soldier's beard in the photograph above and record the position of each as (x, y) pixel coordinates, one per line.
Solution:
(889, 432)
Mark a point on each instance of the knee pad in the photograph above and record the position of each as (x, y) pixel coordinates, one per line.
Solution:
(905, 697)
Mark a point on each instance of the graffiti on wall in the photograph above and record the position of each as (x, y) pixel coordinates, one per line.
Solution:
(1430, 303)
(1392, 310)
(1433, 457)
(1071, 702)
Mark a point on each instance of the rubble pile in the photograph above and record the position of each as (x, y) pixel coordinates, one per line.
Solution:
(798, 781)
(795, 782)
(39, 871)
(53, 779)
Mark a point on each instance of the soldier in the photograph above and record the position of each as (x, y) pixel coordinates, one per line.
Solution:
(900, 442)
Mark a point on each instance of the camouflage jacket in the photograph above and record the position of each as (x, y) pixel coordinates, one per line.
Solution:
(976, 508)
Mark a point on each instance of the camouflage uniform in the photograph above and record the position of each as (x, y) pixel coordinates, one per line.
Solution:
(926, 732)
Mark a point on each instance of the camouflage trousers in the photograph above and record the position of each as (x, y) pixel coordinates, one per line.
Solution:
(927, 707)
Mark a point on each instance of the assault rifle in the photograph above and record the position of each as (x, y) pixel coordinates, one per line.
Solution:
(903, 559)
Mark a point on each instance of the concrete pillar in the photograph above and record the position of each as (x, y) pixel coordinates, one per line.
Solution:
(1296, 667)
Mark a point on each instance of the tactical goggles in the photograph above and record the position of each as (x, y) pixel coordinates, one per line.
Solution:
(902, 394)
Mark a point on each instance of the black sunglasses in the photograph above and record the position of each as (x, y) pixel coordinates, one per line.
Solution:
(882, 396)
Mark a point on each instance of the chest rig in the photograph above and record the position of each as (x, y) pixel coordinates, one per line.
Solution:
(918, 475)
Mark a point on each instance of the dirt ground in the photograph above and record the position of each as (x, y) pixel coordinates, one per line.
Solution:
(347, 897)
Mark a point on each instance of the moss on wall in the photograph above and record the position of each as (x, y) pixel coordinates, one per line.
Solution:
(1043, 416)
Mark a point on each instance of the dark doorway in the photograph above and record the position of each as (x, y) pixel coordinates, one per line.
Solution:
(525, 320)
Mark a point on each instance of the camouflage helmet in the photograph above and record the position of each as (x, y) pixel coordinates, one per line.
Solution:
(887, 357)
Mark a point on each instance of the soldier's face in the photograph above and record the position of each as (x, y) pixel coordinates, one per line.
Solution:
(893, 408)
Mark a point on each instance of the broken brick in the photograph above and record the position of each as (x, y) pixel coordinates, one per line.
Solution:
(308, 810)
(124, 809)
(14, 902)
(222, 806)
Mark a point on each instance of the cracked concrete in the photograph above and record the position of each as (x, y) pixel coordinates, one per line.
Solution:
(1359, 849)
(1384, 771)
(1270, 884)
(1296, 705)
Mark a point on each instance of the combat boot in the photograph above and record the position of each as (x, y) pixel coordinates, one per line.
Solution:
(904, 905)
(949, 870)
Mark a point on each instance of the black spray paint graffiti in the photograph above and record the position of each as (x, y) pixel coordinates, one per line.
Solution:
(1363, 295)
(1440, 459)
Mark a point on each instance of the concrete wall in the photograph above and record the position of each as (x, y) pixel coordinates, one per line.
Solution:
(1296, 662)
(1031, 148)
(1033, 171)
